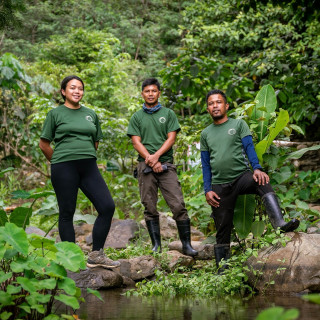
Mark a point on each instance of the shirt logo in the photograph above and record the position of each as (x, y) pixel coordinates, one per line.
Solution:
(232, 131)
(162, 120)
(89, 118)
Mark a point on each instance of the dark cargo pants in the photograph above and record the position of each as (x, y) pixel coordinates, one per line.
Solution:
(170, 188)
(228, 193)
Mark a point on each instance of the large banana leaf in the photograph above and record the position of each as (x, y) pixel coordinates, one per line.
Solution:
(281, 122)
(265, 104)
(243, 214)
(298, 154)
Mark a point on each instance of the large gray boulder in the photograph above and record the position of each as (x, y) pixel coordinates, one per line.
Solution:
(294, 268)
(177, 259)
(137, 268)
(96, 278)
(121, 233)
(205, 251)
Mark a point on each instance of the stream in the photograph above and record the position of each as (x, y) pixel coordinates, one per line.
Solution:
(118, 306)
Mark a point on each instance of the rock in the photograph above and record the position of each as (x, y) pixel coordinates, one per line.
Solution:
(313, 230)
(96, 278)
(177, 259)
(121, 233)
(35, 230)
(128, 282)
(301, 260)
(205, 251)
(138, 268)
(315, 207)
(168, 228)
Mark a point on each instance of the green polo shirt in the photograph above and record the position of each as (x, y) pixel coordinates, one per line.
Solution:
(227, 156)
(73, 131)
(153, 130)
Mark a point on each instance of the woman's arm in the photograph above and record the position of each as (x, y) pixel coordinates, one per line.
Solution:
(46, 148)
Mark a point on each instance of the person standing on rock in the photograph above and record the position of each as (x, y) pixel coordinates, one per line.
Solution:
(75, 131)
(153, 130)
(226, 173)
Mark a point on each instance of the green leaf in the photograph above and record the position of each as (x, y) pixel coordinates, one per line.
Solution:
(283, 175)
(68, 285)
(27, 284)
(20, 194)
(24, 306)
(3, 218)
(70, 256)
(302, 205)
(43, 243)
(69, 301)
(5, 315)
(243, 214)
(313, 297)
(2, 172)
(5, 299)
(21, 216)
(265, 104)
(281, 122)
(47, 284)
(41, 194)
(95, 293)
(56, 270)
(5, 276)
(257, 228)
(3, 250)
(278, 313)
(15, 236)
(7, 72)
(13, 289)
(87, 218)
(52, 317)
(297, 128)
(298, 154)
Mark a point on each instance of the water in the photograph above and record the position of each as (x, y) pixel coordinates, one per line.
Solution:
(117, 306)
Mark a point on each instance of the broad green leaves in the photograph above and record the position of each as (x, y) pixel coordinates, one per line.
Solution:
(278, 313)
(243, 214)
(15, 236)
(281, 122)
(40, 269)
(265, 105)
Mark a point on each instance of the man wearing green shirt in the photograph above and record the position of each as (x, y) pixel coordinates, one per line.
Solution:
(153, 131)
(226, 146)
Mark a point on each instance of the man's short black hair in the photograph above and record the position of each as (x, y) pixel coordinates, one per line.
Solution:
(150, 82)
(216, 91)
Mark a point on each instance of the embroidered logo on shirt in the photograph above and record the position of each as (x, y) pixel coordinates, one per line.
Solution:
(162, 120)
(232, 131)
(89, 118)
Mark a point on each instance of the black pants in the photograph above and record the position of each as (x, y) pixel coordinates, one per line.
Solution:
(228, 193)
(67, 178)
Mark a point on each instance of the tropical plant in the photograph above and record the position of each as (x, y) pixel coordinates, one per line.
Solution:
(33, 275)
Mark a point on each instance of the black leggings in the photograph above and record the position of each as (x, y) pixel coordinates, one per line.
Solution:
(228, 193)
(67, 178)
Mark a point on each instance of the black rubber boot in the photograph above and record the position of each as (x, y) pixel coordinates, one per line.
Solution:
(185, 237)
(273, 210)
(221, 251)
(154, 232)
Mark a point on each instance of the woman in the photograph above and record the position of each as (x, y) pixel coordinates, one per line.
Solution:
(76, 132)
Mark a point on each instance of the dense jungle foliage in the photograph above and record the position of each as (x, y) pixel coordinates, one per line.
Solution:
(264, 54)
